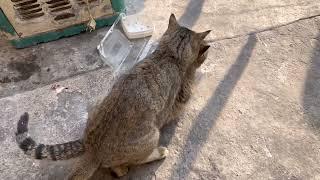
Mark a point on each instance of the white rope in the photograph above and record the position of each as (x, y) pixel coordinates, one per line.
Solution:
(91, 25)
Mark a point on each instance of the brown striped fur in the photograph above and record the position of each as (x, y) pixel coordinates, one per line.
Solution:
(123, 129)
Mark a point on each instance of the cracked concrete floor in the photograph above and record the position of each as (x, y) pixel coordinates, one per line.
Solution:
(255, 112)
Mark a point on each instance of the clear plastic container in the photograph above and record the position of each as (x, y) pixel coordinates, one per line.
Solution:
(117, 51)
(115, 48)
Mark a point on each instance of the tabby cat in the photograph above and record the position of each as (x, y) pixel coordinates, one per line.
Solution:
(124, 128)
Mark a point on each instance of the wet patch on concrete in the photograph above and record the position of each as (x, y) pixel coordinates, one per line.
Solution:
(36, 66)
(26, 69)
(20, 70)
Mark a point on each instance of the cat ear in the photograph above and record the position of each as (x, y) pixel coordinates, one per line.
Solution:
(203, 53)
(203, 49)
(203, 35)
(173, 21)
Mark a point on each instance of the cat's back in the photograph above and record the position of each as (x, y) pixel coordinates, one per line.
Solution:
(146, 86)
(137, 94)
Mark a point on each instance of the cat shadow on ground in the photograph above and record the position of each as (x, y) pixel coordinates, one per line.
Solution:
(311, 93)
(204, 122)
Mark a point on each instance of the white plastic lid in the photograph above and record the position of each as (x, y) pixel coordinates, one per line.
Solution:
(137, 26)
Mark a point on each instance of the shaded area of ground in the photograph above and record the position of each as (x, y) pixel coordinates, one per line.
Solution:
(311, 96)
(203, 124)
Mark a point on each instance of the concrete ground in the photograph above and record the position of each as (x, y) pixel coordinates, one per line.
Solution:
(255, 112)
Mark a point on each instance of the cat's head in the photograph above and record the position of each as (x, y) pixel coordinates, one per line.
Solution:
(184, 43)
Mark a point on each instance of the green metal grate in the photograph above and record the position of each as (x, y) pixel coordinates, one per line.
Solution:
(117, 6)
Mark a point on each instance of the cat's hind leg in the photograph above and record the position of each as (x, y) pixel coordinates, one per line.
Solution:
(84, 168)
(121, 170)
(143, 150)
(157, 154)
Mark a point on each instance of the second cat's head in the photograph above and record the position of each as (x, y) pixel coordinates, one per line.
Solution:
(184, 43)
